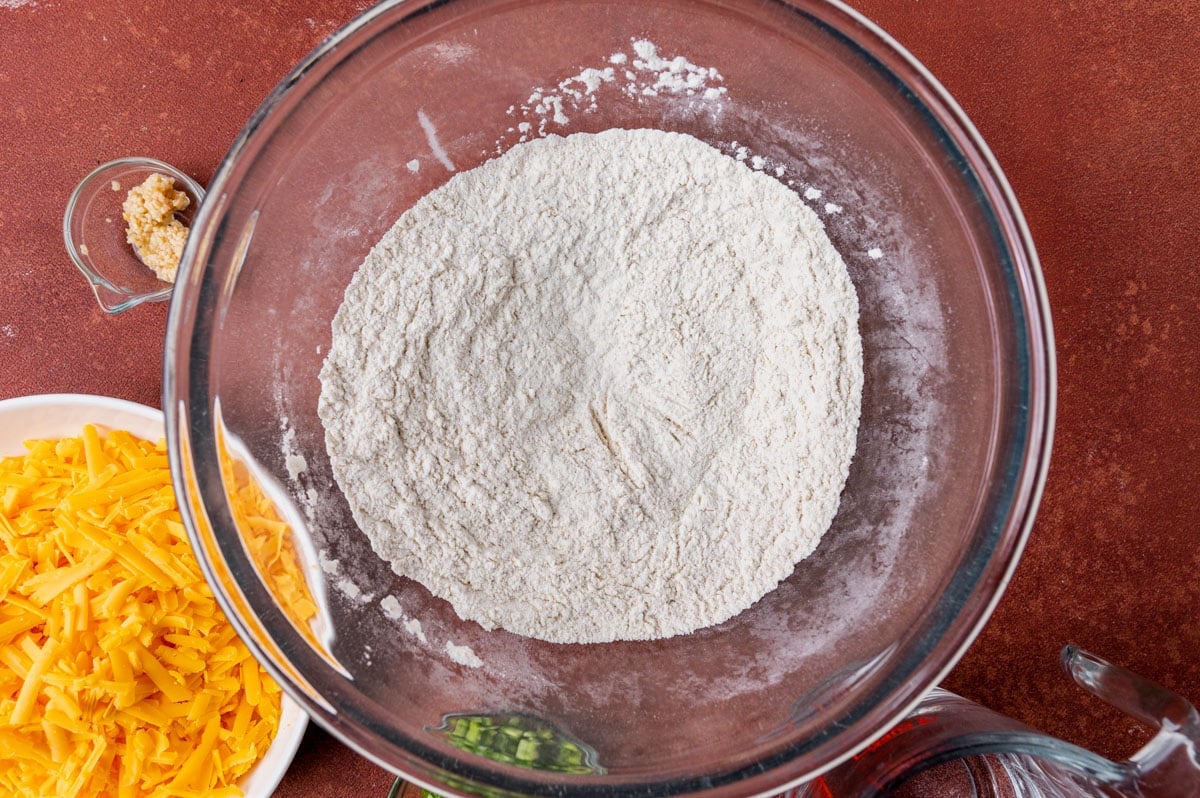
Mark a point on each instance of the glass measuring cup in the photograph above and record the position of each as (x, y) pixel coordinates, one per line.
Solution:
(951, 747)
(1000, 757)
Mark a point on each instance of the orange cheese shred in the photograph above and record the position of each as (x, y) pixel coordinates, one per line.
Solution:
(270, 544)
(119, 675)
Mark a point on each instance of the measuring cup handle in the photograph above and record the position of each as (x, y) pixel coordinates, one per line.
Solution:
(1167, 766)
(946, 727)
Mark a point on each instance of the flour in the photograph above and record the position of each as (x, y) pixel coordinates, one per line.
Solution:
(676, 74)
(345, 585)
(294, 461)
(602, 387)
(648, 75)
(464, 655)
(297, 467)
(435, 146)
(392, 609)
(413, 627)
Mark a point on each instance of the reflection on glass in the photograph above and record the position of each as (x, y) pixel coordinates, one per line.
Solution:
(510, 738)
(519, 740)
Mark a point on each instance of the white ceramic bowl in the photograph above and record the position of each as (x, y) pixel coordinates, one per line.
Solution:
(64, 415)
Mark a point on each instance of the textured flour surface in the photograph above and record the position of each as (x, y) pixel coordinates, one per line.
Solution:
(602, 387)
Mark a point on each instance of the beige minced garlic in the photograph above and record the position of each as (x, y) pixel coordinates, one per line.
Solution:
(151, 227)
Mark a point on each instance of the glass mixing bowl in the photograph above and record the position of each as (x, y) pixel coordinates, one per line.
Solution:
(952, 449)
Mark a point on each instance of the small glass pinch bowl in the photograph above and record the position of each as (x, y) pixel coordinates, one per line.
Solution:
(94, 232)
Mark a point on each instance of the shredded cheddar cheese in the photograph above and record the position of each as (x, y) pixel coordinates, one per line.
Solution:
(119, 675)
(270, 544)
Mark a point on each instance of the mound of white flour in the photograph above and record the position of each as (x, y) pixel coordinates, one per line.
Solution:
(604, 387)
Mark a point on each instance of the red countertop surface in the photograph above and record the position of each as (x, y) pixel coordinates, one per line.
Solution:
(1091, 110)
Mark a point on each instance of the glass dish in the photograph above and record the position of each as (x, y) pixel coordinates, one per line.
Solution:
(957, 406)
(94, 232)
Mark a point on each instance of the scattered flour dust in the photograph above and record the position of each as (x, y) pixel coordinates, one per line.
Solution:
(392, 609)
(413, 627)
(602, 387)
(640, 74)
(345, 584)
(464, 655)
(435, 146)
(297, 466)
(293, 460)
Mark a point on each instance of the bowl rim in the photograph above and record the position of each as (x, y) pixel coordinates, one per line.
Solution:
(975, 589)
(63, 414)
